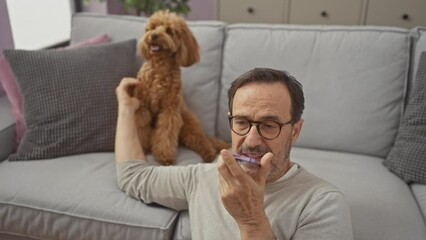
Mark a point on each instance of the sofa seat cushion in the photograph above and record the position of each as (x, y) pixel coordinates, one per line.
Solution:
(183, 227)
(382, 205)
(419, 191)
(76, 197)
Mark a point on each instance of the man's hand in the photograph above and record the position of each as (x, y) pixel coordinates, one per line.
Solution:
(242, 196)
(125, 97)
(127, 145)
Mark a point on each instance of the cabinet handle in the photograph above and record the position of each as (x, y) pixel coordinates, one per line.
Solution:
(250, 10)
(405, 16)
(324, 14)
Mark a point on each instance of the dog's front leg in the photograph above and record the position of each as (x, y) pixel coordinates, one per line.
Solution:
(143, 120)
(165, 136)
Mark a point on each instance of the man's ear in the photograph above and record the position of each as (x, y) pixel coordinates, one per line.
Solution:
(297, 128)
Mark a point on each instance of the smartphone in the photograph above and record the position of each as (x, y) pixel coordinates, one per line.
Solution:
(245, 159)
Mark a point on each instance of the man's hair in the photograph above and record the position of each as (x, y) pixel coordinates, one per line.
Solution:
(267, 75)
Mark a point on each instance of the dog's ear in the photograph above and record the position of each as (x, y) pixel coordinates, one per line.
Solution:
(143, 49)
(188, 53)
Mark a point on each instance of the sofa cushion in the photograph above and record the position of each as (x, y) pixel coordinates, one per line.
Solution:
(382, 205)
(183, 227)
(342, 69)
(8, 81)
(69, 97)
(76, 197)
(419, 191)
(407, 158)
(200, 81)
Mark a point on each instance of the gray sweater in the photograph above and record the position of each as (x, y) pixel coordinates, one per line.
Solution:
(299, 205)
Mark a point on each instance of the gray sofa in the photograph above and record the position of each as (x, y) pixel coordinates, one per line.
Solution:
(357, 81)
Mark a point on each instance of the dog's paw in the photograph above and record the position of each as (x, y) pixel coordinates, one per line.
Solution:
(209, 155)
(164, 157)
(219, 144)
(167, 162)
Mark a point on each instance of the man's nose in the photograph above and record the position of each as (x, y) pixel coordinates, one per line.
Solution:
(253, 137)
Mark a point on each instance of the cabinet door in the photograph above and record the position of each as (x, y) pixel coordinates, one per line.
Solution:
(399, 13)
(252, 11)
(338, 12)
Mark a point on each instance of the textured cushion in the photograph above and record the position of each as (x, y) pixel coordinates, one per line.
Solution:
(353, 78)
(200, 81)
(407, 158)
(7, 80)
(381, 204)
(69, 97)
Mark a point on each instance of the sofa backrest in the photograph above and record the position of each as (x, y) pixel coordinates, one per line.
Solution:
(353, 78)
(200, 81)
(418, 35)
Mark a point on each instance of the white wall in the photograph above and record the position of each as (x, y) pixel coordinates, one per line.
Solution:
(37, 24)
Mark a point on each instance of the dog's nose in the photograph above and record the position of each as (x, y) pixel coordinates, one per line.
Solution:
(154, 36)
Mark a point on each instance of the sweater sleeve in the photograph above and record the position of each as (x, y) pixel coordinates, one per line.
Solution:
(168, 186)
(326, 217)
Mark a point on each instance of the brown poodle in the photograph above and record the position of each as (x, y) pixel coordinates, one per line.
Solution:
(164, 120)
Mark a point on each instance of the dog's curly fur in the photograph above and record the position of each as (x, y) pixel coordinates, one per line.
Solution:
(164, 120)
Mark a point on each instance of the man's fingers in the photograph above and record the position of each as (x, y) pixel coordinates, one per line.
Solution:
(129, 80)
(126, 87)
(231, 164)
(265, 167)
(128, 84)
(223, 169)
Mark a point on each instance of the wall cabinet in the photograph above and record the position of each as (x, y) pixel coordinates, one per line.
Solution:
(347, 12)
(252, 11)
(400, 13)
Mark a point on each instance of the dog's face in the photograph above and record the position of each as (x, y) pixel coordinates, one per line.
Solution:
(167, 34)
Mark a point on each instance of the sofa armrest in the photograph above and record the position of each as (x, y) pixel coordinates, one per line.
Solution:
(7, 129)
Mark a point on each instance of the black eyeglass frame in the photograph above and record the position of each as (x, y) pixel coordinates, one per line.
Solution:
(257, 123)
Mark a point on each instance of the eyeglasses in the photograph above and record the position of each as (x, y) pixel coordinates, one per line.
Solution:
(268, 129)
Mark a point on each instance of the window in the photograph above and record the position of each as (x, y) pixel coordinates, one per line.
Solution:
(41, 23)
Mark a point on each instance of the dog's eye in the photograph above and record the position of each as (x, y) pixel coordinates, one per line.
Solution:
(150, 27)
(169, 31)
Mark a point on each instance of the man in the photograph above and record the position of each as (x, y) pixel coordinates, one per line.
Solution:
(273, 198)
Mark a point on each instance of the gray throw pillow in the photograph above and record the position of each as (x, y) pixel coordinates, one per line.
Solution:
(407, 159)
(69, 101)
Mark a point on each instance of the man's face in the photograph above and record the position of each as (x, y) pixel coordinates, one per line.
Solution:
(260, 102)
